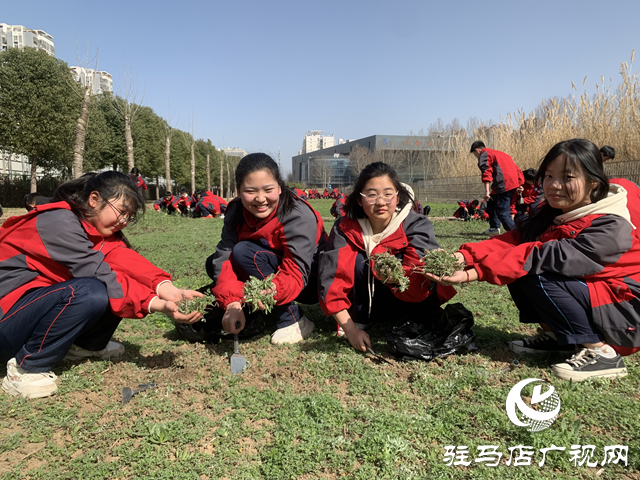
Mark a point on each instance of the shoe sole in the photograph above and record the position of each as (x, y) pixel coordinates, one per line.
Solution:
(8, 387)
(579, 376)
(525, 350)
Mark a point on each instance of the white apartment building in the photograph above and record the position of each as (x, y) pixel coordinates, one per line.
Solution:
(234, 152)
(316, 140)
(17, 36)
(100, 81)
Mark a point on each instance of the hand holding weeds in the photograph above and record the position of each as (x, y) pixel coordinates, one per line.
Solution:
(389, 270)
(170, 309)
(168, 291)
(195, 303)
(440, 263)
(260, 294)
(233, 319)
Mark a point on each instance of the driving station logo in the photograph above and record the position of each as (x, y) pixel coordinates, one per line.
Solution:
(542, 409)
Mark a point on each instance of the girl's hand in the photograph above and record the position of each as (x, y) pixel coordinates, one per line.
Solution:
(271, 291)
(170, 309)
(359, 339)
(233, 320)
(168, 291)
(461, 276)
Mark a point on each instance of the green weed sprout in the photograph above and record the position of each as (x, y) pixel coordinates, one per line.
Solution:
(199, 304)
(252, 295)
(390, 269)
(440, 263)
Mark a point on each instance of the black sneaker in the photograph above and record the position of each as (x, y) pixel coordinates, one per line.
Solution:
(590, 364)
(541, 342)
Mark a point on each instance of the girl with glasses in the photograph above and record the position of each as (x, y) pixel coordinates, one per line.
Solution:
(378, 218)
(67, 278)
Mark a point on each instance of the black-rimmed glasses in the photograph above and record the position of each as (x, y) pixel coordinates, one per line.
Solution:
(123, 218)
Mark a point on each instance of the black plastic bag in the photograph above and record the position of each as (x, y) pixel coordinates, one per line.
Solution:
(449, 334)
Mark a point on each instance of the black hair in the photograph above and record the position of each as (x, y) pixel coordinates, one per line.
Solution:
(198, 194)
(580, 156)
(110, 185)
(183, 191)
(608, 152)
(530, 174)
(353, 209)
(255, 162)
(167, 193)
(475, 203)
(135, 170)
(30, 200)
(477, 144)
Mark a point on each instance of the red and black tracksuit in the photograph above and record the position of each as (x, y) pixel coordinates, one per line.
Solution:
(529, 197)
(505, 177)
(167, 204)
(62, 283)
(346, 275)
(209, 204)
(184, 205)
(465, 209)
(337, 209)
(300, 193)
(285, 244)
(582, 277)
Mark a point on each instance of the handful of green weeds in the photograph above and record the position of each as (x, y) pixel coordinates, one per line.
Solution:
(252, 295)
(197, 304)
(440, 263)
(390, 269)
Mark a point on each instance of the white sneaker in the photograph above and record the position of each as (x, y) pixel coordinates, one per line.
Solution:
(113, 349)
(360, 326)
(492, 231)
(293, 333)
(28, 384)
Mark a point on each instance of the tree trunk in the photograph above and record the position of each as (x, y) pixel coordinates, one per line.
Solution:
(228, 181)
(220, 192)
(34, 166)
(208, 175)
(193, 169)
(129, 141)
(157, 187)
(167, 163)
(81, 132)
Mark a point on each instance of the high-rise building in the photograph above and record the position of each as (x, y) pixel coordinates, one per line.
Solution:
(316, 140)
(234, 152)
(100, 81)
(17, 36)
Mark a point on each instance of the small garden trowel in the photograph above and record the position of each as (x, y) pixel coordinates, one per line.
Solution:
(237, 361)
(127, 393)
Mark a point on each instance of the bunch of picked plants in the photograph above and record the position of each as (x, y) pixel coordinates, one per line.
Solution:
(197, 304)
(389, 268)
(440, 263)
(253, 289)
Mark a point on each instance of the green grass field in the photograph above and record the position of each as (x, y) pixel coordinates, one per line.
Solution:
(317, 409)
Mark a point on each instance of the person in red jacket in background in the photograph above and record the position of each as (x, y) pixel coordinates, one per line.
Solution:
(206, 205)
(300, 193)
(68, 276)
(337, 209)
(139, 181)
(501, 177)
(168, 203)
(527, 194)
(572, 265)
(267, 230)
(466, 209)
(379, 218)
(184, 203)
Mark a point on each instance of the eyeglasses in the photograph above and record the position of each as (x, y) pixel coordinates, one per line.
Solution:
(123, 219)
(372, 198)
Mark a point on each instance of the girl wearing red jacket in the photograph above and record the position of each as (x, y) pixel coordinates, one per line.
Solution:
(267, 229)
(378, 218)
(67, 277)
(573, 265)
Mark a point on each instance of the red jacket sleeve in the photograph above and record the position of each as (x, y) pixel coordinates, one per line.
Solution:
(131, 263)
(336, 272)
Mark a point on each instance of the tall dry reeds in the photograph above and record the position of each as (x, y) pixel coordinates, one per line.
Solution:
(611, 116)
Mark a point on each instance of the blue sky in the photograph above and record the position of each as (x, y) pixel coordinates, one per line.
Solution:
(259, 74)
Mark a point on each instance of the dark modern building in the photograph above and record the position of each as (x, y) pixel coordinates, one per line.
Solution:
(413, 156)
